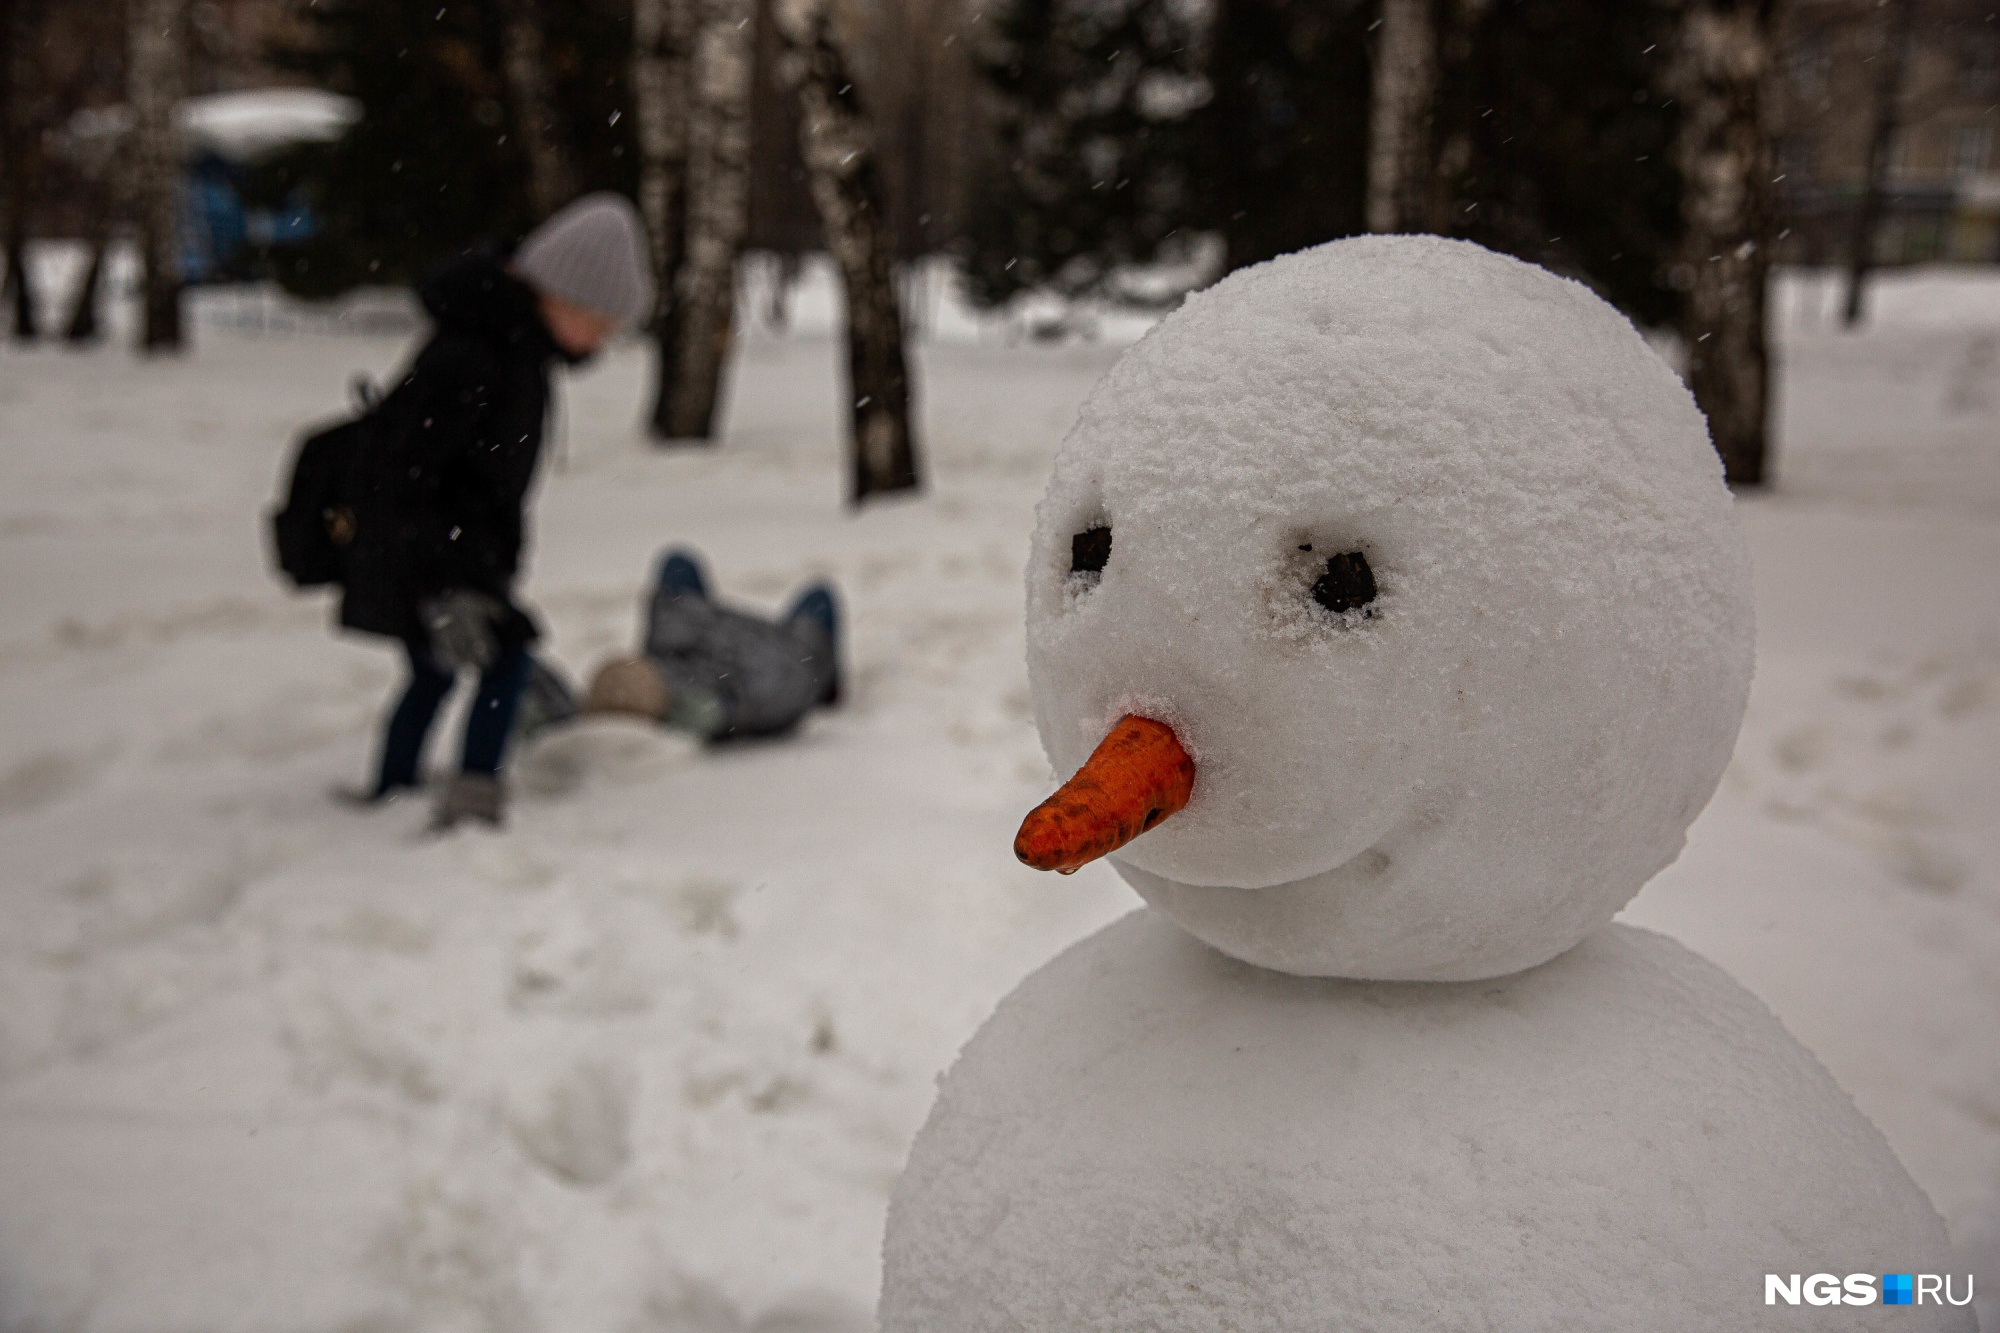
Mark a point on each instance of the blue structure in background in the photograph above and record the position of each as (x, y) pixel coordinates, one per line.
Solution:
(222, 138)
(225, 137)
(220, 237)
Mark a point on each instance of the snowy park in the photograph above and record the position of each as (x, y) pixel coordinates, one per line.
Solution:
(652, 1055)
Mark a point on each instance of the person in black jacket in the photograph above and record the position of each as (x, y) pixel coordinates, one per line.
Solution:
(438, 512)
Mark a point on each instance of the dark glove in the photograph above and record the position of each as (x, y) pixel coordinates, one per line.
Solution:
(460, 624)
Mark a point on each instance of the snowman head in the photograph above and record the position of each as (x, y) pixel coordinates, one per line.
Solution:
(1414, 570)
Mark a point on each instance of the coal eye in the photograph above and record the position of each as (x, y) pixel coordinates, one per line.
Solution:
(1090, 551)
(1346, 584)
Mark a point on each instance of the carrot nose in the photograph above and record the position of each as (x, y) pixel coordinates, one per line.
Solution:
(1136, 777)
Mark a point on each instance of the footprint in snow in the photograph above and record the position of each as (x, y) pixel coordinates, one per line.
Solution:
(50, 776)
(578, 1127)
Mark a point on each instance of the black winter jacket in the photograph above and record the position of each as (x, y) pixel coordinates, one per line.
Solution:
(443, 477)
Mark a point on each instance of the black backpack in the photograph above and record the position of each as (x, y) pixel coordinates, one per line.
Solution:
(311, 533)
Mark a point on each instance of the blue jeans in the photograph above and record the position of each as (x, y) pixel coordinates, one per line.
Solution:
(680, 576)
(486, 728)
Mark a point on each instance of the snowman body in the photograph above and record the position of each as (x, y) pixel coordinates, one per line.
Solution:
(1149, 1135)
(1416, 564)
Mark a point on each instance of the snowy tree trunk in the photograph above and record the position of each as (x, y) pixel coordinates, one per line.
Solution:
(155, 70)
(551, 184)
(1401, 168)
(718, 198)
(1725, 166)
(660, 94)
(1889, 66)
(838, 142)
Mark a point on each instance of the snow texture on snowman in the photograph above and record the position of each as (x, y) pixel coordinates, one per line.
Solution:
(1409, 569)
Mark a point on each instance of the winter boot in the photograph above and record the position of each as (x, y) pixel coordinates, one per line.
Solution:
(816, 606)
(680, 575)
(480, 796)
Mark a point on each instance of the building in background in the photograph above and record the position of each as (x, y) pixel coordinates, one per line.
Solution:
(223, 137)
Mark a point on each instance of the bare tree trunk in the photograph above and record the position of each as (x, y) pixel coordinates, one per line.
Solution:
(82, 325)
(551, 183)
(1725, 166)
(19, 161)
(784, 276)
(660, 90)
(155, 73)
(838, 142)
(19, 292)
(107, 170)
(718, 197)
(1450, 134)
(1401, 163)
(1890, 64)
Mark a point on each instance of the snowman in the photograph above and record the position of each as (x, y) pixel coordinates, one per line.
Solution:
(1387, 608)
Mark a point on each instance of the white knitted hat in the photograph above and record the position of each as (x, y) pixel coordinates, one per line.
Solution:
(592, 253)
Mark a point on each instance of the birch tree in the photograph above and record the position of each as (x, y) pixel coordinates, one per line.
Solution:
(551, 183)
(1890, 63)
(660, 97)
(155, 72)
(716, 211)
(1401, 170)
(839, 146)
(1724, 151)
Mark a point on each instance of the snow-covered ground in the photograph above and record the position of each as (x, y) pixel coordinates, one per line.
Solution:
(651, 1057)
